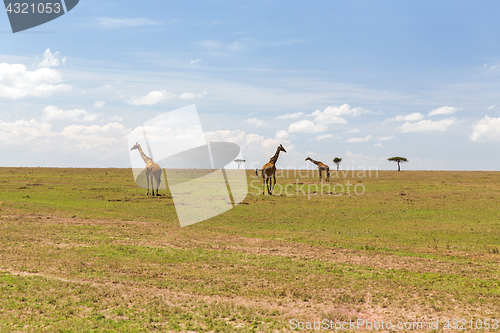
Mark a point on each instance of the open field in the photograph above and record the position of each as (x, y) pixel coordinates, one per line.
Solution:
(86, 250)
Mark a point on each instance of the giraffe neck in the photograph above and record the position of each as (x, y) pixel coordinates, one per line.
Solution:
(275, 157)
(144, 157)
(315, 162)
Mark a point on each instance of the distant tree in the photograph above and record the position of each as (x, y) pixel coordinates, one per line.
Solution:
(337, 161)
(239, 161)
(399, 160)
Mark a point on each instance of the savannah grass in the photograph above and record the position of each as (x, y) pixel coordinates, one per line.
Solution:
(86, 250)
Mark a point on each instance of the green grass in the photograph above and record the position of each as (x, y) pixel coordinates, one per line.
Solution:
(86, 250)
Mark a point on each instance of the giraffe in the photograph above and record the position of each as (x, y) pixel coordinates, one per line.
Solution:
(321, 166)
(269, 170)
(152, 170)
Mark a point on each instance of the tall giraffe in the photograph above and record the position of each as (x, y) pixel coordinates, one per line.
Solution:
(321, 166)
(152, 169)
(269, 170)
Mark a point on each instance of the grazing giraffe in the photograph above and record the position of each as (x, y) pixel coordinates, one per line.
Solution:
(321, 166)
(152, 170)
(269, 170)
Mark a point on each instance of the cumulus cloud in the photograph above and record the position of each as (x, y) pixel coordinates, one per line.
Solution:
(486, 130)
(354, 130)
(385, 138)
(254, 147)
(281, 135)
(95, 137)
(192, 62)
(74, 145)
(443, 110)
(356, 140)
(409, 117)
(99, 104)
(52, 112)
(254, 121)
(189, 95)
(377, 145)
(115, 118)
(23, 131)
(428, 125)
(306, 126)
(333, 115)
(152, 98)
(51, 59)
(16, 81)
(291, 115)
(323, 137)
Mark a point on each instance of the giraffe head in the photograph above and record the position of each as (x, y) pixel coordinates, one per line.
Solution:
(281, 148)
(308, 159)
(136, 146)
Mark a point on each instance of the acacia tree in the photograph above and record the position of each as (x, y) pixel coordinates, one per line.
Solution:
(239, 161)
(399, 160)
(337, 161)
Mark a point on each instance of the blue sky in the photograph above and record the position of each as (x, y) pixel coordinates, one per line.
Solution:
(361, 80)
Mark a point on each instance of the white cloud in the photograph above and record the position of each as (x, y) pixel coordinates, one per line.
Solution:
(152, 98)
(428, 125)
(192, 62)
(377, 145)
(332, 115)
(287, 42)
(409, 117)
(254, 121)
(486, 130)
(385, 138)
(74, 145)
(356, 140)
(443, 110)
(256, 148)
(216, 46)
(323, 137)
(107, 22)
(291, 115)
(306, 126)
(52, 112)
(354, 130)
(23, 131)
(16, 81)
(99, 104)
(281, 135)
(491, 107)
(188, 95)
(493, 67)
(115, 118)
(51, 59)
(105, 138)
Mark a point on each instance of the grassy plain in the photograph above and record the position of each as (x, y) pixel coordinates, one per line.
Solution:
(86, 250)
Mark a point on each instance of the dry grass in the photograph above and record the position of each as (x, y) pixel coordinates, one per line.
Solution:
(85, 250)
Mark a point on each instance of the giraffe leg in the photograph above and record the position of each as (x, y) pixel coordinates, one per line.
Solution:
(158, 181)
(264, 180)
(274, 177)
(327, 174)
(147, 178)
